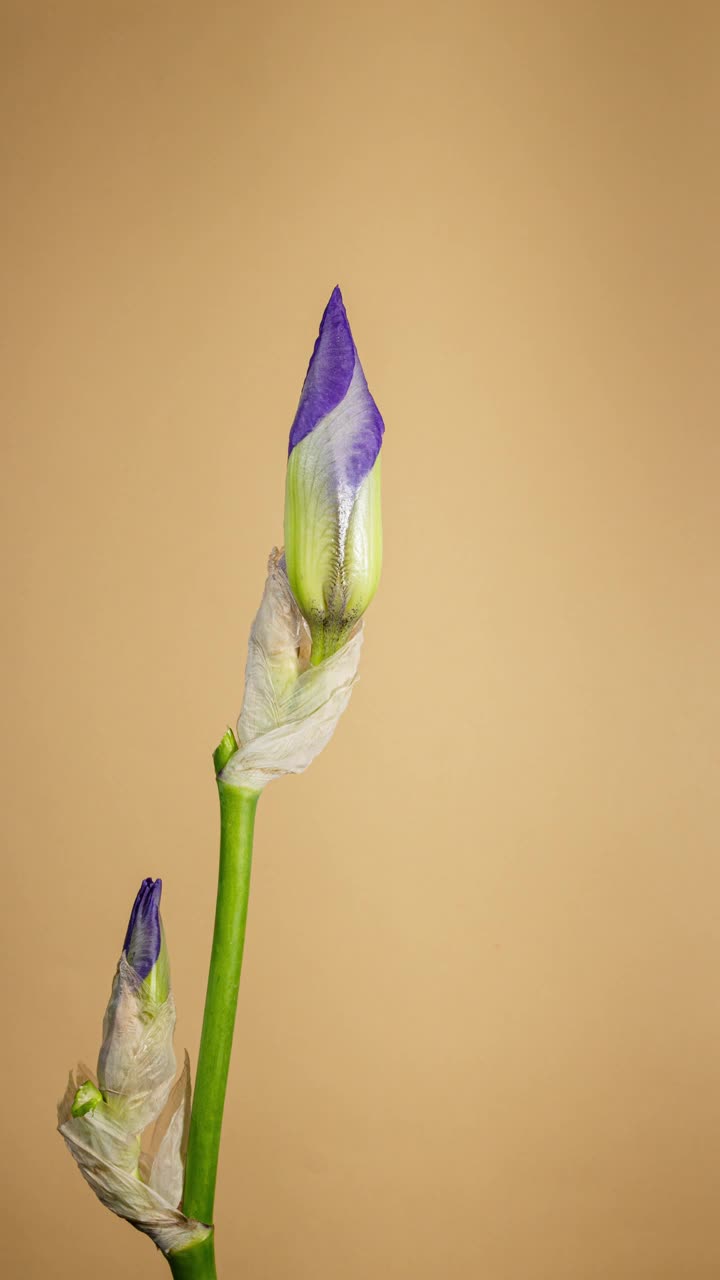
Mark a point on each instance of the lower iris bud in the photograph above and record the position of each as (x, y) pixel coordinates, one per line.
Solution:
(127, 1130)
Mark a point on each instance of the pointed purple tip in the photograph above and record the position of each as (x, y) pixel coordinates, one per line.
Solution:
(144, 938)
(330, 370)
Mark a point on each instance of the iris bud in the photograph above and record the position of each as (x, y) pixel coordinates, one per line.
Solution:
(333, 528)
(145, 948)
(86, 1099)
(127, 1132)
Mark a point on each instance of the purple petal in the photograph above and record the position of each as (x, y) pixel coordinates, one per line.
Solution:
(368, 429)
(143, 938)
(334, 366)
(329, 372)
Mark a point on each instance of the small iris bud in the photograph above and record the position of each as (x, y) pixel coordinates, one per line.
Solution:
(333, 528)
(86, 1099)
(139, 1019)
(127, 1132)
(144, 947)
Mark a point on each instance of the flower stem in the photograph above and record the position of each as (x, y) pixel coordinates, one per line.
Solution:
(194, 1262)
(237, 821)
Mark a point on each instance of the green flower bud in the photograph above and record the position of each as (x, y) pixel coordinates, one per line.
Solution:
(333, 528)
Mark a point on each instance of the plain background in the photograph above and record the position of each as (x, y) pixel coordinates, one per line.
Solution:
(479, 1026)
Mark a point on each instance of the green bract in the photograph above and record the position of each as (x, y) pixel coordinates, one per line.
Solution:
(333, 550)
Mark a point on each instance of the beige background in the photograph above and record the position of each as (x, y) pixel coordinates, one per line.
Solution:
(479, 1031)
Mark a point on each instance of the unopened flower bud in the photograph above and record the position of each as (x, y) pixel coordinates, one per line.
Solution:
(86, 1099)
(333, 528)
(144, 947)
(127, 1132)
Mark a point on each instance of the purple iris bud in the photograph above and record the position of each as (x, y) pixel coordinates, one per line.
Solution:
(333, 530)
(144, 944)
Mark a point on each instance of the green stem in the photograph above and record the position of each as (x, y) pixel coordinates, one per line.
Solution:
(237, 821)
(195, 1261)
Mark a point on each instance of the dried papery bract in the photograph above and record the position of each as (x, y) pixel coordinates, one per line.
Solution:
(290, 708)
